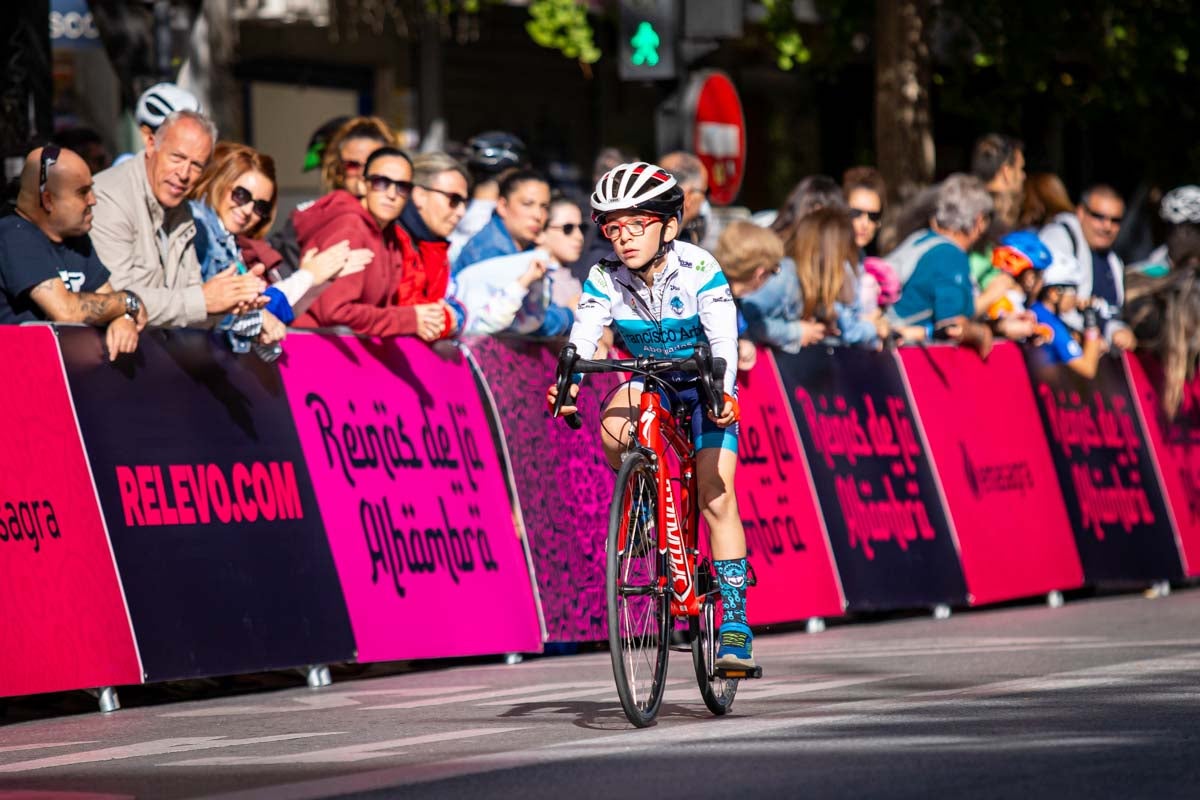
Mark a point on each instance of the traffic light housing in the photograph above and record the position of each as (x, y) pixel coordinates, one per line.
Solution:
(648, 34)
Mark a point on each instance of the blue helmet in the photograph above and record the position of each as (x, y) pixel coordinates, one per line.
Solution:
(1029, 245)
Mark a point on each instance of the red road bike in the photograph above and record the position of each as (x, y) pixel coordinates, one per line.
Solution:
(655, 571)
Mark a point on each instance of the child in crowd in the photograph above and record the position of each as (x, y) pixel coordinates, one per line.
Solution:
(749, 255)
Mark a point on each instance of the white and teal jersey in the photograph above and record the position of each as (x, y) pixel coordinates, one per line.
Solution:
(689, 304)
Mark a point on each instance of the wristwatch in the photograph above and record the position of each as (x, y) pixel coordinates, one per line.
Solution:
(133, 305)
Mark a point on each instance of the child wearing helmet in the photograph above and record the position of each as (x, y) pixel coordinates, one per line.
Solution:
(1022, 256)
(1056, 296)
(665, 297)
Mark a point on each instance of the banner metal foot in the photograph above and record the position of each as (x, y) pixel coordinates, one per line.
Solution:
(107, 698)
(513, 658)
(1054, 599)
(941, 611)
(815, 625)
(1158, 589)
(318, 676)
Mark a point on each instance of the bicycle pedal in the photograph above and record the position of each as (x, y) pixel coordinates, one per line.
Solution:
(737, 673)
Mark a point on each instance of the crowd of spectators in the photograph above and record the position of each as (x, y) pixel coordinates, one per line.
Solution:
(184, 234)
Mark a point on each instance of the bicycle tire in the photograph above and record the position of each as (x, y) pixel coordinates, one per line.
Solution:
(638, 605)
(718, 693)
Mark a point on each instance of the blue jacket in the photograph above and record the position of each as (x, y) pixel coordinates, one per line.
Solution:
(774, 310)
(493, 240)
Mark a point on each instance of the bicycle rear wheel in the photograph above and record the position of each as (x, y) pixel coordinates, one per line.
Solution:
(718, 693)
(638, 608)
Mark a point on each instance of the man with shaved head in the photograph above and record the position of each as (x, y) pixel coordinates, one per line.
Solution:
(48, 267)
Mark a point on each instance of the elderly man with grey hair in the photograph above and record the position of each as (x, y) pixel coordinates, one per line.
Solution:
(689, 172)
(938, 296)
(145, 235)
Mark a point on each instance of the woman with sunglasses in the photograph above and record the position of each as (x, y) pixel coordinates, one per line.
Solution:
(531, 292)
(370, 302)
(234, 205)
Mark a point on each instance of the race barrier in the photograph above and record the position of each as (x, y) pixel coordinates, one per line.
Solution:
(985, 439)
(189, 512)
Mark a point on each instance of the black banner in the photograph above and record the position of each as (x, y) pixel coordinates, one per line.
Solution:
(1108, 480)
(214, 525)
(889, 532)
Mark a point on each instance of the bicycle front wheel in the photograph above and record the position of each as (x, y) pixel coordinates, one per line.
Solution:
(638, 607)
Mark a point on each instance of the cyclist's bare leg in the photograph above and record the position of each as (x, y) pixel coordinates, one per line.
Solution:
(620, 414)
(715, 468)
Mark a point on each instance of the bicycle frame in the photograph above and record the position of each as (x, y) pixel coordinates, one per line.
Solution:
(658, 431)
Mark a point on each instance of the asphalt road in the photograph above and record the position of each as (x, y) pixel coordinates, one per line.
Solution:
(1096, 699)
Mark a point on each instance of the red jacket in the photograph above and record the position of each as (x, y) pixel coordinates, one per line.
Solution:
(365, 302)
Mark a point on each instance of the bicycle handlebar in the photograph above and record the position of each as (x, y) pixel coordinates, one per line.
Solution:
(709, 370)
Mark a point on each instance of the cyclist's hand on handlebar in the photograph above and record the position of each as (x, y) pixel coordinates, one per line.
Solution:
(552, 395)
(729, 413)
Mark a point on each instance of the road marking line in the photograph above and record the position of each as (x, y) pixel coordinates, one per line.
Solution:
(343, 755)
(554, 697)
(318, 702)
(14, 748)
(156, 747)
(484, 695)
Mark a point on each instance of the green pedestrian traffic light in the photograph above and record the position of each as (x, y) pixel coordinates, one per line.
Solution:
(649, 29)
(645, 45)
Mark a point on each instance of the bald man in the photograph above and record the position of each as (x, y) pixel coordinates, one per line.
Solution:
(48, 268)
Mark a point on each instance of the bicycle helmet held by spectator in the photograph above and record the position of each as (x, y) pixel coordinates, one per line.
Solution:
(1063, 271)
(160, 101)
(494, 151)
(320, 140)
(885, 275)
(1180, 205)
(1019, 251)
(637, 187)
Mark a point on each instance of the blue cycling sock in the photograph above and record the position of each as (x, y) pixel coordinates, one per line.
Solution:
(731, 578)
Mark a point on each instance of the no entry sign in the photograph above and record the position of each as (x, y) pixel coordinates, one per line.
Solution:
(715, 130)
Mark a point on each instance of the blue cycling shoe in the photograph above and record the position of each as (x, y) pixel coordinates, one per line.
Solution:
(736, 649)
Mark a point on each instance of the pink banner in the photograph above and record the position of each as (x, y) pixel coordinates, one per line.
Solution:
(413, 496)
(1175, 444)
(785, 535)
(986, 440)
(65, 626)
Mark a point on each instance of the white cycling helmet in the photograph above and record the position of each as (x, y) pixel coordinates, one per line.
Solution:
(1063, 270)
(637, 186)
(1181, 204)
(160, 101)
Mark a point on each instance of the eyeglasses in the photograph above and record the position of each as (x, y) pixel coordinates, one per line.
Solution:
(381, 183)
(874, 216)
(454, 198)
(1103, 217)
(636, 227)
(241, 196)
(569, 228)
(349, 166)
(50, 154)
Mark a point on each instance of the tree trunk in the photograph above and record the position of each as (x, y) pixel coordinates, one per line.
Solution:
(903, 125)
(25, 85)
(208, 71)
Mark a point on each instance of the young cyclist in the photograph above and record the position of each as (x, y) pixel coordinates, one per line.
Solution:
(665, 297)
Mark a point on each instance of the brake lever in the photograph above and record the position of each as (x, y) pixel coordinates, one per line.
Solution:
(566, 365)
(716, 395)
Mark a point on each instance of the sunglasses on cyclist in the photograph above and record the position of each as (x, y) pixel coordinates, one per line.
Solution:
(636, 227)
(50, 154)
(569, 228)
(1096, 215)
(874, 216)
(241, 196)
(454, 198)
(381, 183)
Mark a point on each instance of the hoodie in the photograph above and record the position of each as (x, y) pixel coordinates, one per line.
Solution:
(365, 302)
